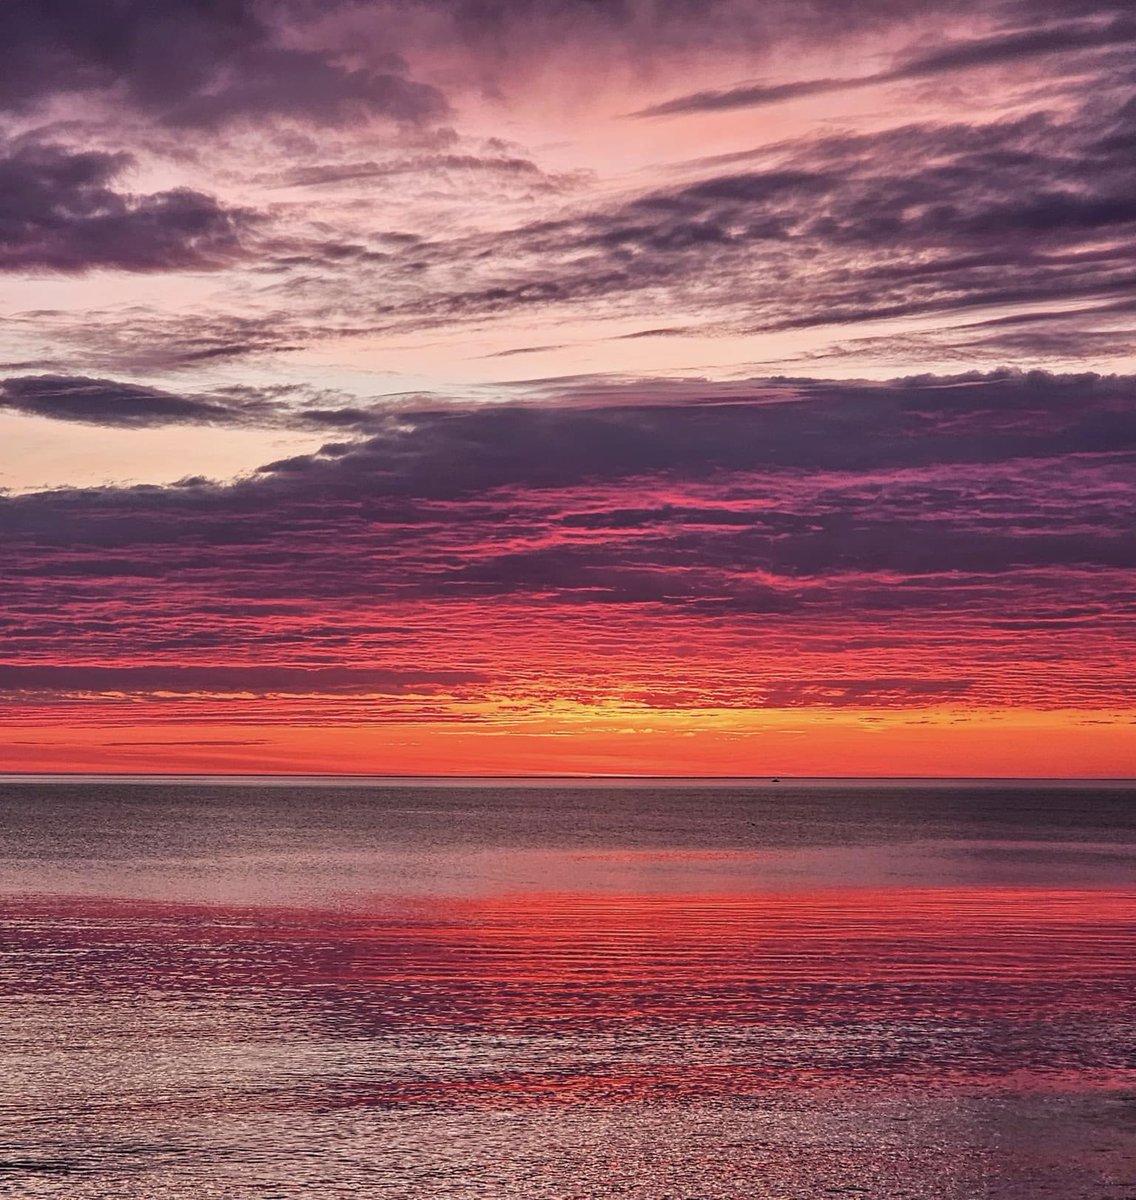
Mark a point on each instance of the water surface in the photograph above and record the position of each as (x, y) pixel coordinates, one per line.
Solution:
(567, 990)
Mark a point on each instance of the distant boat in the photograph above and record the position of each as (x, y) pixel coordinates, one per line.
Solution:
(775, 780)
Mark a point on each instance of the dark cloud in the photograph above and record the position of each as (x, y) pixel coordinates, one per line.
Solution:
(749, 96)
(952, 538)
(113, 403)
(1017, 45)
(199, 64)
(59, 211)
(304, 85)
(105, 402)
(519, 350)
(507, 37)
(663, 331)
(203, 63)
(430, 168)
(810, 425)
(246, 678)
(603, 431)
(995, 50)
(845, 459)
(195, 63)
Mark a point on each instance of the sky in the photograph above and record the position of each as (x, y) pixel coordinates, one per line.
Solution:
(693, 387)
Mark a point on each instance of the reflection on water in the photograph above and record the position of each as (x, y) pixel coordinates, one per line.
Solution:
(567, 992)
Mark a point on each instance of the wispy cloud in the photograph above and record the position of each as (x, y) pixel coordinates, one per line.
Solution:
(972, 53)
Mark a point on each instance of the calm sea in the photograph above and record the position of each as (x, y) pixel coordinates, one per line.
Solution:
(691, 991)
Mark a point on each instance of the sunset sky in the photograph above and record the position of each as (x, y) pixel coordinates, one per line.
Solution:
(536, 386)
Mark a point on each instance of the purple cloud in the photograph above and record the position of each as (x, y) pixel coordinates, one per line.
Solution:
(60, 212)
(995, 50)
(187, 63)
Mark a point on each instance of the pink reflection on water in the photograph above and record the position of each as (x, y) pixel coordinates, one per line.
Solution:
(674, 996)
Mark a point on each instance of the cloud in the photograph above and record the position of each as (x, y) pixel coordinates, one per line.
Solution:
(932, 218)
(140, 338)
(506, 39)
(1019, 44)
(189, 64)
(113, 403)
(805, 425)
(248, 678)
(60, 212)
(304, 85)
(520, 350)
(924, 218)
(105, 402)
(903, 534)
(863, 693)
(962, 541)
(1088, 331)
(498, 169)
(754, 95)
(995, 50)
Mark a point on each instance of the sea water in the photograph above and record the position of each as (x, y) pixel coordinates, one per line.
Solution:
(693, 989)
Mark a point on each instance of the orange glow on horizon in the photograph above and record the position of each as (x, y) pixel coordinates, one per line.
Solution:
(577, 739)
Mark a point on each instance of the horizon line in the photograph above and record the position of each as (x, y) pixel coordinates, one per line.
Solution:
(582, 776)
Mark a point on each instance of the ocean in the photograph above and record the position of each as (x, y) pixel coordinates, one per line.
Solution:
(683, 990)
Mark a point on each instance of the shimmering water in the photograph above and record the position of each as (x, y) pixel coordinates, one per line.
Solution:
(507, 990)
